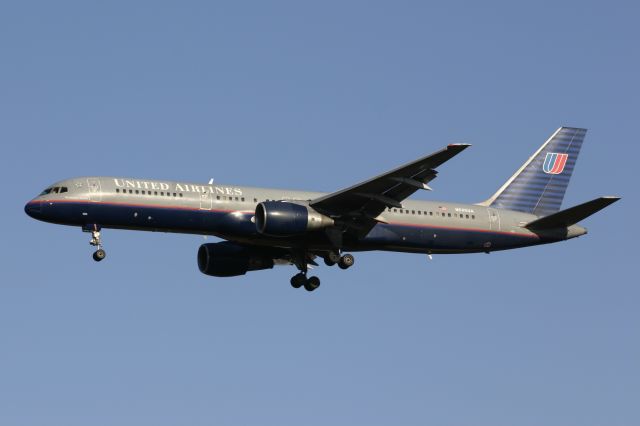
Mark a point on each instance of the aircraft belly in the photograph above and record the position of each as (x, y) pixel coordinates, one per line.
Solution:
(441, 240)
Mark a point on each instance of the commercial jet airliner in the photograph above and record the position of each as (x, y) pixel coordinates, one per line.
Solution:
(264, 227)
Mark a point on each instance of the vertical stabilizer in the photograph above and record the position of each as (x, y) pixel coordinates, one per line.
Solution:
(539, 186)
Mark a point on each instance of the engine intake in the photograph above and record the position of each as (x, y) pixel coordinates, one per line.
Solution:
(283, 219)
(228, 260)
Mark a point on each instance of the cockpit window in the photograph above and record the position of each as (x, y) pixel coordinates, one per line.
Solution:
(55, 190)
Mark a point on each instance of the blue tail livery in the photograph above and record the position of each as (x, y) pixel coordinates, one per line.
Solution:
(538, 187)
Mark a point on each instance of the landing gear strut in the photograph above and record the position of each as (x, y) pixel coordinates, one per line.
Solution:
(99, 254)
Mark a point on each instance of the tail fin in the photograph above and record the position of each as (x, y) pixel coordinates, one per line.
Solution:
(573, 215)
(538, 187)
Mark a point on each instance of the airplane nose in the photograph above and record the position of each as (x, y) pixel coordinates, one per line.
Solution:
(33, 208)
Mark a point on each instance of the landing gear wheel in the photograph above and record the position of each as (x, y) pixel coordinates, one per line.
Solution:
(331, 258)
(298, 280)
(312, 283)
(346, 261)
(99, 254)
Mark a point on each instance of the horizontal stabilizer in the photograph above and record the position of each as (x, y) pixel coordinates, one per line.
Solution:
(573, 215)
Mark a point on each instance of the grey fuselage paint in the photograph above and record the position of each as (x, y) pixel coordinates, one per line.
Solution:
(227, 211)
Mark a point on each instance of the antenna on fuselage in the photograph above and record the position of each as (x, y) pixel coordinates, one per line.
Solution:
(211, 181)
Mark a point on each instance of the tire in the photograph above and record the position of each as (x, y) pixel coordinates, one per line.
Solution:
(331, 258)
(99, 254)
(328, 261)
(312, 283)
(346, 261)
(298, 280)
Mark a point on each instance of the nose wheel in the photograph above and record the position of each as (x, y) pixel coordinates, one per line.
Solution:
(95, 241)
(99, 254)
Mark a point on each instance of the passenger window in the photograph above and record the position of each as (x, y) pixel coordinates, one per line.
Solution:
(473, 216)
(467, 216)
(255, 200)
(63, 189)
(413, 212)
(242, 199)
(217, 197)
(420, 212)
(117, 190)
(449, 214)
(430, 213)
(137, 192)
(162, 193)
(175, 195)
(155, 192)
(131, 191)
(181, 194)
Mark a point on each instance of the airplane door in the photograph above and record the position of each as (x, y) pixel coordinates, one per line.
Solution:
(494, 220)
(206, 200)
(94, 189)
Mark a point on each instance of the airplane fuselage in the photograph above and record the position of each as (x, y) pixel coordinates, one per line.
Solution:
(227, 211)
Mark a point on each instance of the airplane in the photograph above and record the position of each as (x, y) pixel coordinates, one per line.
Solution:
(266, 227)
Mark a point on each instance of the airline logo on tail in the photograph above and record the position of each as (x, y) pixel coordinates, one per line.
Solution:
(554, 163)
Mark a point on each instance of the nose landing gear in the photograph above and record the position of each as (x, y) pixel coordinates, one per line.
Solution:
(95, 241)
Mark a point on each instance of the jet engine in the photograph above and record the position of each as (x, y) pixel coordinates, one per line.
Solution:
(228, 260)
(284, 219)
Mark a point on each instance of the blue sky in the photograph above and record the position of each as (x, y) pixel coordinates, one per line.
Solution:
(316, 96)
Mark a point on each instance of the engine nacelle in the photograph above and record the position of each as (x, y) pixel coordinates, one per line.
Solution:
(228, 260)
(283, 219)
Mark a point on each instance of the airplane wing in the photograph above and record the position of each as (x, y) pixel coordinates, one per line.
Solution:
(357, 207)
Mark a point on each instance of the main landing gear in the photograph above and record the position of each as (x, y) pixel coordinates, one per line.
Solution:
(344, 262)
(311, 283)
(300, 279)
(99, 254)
